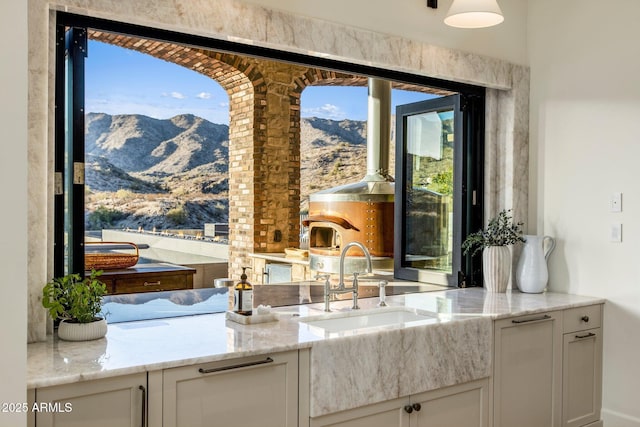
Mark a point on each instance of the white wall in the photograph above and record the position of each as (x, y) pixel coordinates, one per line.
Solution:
(13, 176)
(585, 133)
(413, 20)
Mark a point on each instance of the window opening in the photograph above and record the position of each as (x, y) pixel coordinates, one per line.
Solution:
(406, 89)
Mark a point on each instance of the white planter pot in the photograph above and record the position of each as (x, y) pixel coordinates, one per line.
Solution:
(82, 331)
(496, 267)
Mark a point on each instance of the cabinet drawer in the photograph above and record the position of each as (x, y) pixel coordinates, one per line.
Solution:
(580, 318)
(153, 283)
(255, 391)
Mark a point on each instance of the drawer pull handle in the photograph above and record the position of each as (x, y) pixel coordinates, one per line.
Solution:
(408, 409)
(241, 365)
(417, 407)
(152, 283)
(144, 405)
(589, 335)
(534, 319)
(585, 319)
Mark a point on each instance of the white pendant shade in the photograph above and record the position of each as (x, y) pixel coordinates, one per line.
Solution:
(474, 14)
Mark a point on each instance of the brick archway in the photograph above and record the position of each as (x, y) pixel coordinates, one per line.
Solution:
(246, 89)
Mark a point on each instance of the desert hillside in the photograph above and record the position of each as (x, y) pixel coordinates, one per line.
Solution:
(145, 172)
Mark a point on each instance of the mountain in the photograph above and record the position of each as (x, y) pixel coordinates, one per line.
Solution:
(173, 173)
(137, 143)
(104, 176)
(334, 151)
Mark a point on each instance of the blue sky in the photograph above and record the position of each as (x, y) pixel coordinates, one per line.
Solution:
(118, 81)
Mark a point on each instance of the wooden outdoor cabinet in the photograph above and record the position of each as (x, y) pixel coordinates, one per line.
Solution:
(248, 392)
(527, 380)
(117, 401)
(464, 405)
(148, 278)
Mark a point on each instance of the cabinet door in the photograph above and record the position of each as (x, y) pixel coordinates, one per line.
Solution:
(527, 366)
(249, 392)
(465, 405)
(118, 401)
(582, 377)
(383, 414)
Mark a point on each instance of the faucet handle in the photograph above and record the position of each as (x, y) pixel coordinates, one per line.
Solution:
(354, 289)
(327, 284)
(355, 279)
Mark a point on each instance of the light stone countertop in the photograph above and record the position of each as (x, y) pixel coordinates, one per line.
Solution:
(164, 343)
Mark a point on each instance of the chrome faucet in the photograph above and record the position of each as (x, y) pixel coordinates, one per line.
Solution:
(341, 289)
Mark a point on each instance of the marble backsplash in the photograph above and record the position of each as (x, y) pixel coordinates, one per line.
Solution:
(507, 96)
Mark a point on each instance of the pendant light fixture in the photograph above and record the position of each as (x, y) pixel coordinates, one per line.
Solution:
(474, 14)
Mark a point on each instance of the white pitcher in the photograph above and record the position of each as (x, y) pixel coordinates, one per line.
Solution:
(532, 274)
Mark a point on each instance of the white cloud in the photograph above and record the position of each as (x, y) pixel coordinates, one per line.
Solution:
(326, 111)
(175, 95)
(203, 95)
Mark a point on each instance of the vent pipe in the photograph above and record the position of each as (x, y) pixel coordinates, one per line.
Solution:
(378, 130)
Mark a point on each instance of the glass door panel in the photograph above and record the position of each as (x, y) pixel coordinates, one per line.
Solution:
(429, 198)
(428, 190)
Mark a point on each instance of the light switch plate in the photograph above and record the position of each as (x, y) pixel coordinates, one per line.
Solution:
(616, 202)
(616, 232)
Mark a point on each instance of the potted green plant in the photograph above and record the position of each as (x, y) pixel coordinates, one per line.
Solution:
(77, 303)
(500, 233)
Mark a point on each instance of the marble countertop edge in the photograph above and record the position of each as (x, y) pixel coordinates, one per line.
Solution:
(168, 343)
(49, 380)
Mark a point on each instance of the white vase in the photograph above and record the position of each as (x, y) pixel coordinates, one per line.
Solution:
(69, 331)
(496, 267)
(532, 273)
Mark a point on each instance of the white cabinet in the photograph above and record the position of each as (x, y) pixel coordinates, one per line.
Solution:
(464, 405)
(547, 371)
(248, 392)
(118, 401)
(383, 414)
(527, 371)
(582, 366)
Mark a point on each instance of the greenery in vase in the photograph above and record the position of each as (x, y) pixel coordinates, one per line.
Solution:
(501, 231)
(72, 298)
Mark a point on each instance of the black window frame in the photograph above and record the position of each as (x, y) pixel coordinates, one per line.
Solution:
(468, 186)
(473, 96)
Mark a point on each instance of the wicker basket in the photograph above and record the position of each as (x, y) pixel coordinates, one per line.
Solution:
(108, 255)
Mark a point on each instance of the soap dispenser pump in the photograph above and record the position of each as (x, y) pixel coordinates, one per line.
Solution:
(243, 295)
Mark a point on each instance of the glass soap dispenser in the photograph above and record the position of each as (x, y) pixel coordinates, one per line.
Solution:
(243, 295)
